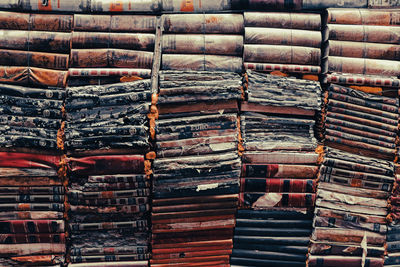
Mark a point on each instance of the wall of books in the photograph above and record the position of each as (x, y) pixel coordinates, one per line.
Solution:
(199, 133)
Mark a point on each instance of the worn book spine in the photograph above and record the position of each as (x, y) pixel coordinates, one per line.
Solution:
(35, 22)
(130, 41)
(201, 62)
(39, 190)
(36, 226)
(376, 211)
(193, 226)
(362, 80)
(138, 225)
(347, 236)
(349, 164)
(34, 59)
(357, 105)
(282, 54)
(280, 157)
(270, 200)
(363, 66)
(194, 206)
(82, 73)
(279, 171)
(363, 50)
(363, 17)
(111, 201)
(355, 191)
(110, 211)
(275, 4)
(338, 223)
(211, 44)
(385, 139)
(269, 67)
(76, 195)
(28, 181)
(28, 198)
(323, 4)
(33, 76)
(109, 250)
(361, 118)
(194, 200)
(357, 138)
(278, 36)
(111, 186)
(325, 261)
(31, 249)
(114, 23)
(196, 6)
(386, 153)
(357, 126)
(103, 58)
(356, 183)
(32, 207)
(251, 231)
(41, 41)
(32, 238)
(203, 23)
(361, 33)
(277, 185)
(13, 172)
(355, 98)
(107, 164)
(283, 20)
(25, 160)
(276, 224)
(114, 257)
(322, 248)
(355, 174)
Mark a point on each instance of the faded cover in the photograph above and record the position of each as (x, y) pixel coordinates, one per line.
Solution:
(33, 76)
(107, 164)
(268, 90)
(200, 86)
(108, 116)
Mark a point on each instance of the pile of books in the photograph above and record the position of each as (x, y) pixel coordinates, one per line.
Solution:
(207, 42)
(111, 48)
(279, 170)
(197, 168)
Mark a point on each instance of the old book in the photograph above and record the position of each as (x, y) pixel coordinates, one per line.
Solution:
(36, 22)
(114, 23)
(210, 44)
(203, 23)
(34, 59)
(283, 20)
(107, 164)
(270, 200)
(281, 54)
(277, 185)
(36, 226)
(42, 41)
(348, 261)
(279, 36)
(33, 76)
(201, 62)
(131, 41)
(111, 57)
(363, 17)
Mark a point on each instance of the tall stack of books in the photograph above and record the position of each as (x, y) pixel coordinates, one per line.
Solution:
(197, 168)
